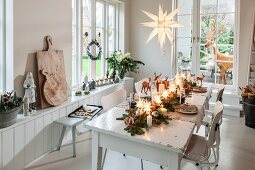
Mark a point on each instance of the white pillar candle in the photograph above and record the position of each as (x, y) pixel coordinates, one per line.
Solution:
(161, 88)
(180, 97)
(183, 75)
(189, 77)
(149, 120)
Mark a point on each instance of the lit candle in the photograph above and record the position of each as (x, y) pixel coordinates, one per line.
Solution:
(189, 77)
(161, 88)
(180, 97)
(149, 120)
(183, 75)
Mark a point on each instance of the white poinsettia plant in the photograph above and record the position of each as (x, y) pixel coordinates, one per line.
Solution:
(122, 63)
(120, 56)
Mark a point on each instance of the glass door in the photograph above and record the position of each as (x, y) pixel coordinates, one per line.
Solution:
(184, 40)
(217, 32)
(208, 45)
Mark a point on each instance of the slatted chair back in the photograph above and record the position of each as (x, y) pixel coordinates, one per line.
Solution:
(220, 93)
(111, 100)
(214, 134)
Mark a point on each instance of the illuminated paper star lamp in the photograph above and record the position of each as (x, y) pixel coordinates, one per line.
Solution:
(162, 25)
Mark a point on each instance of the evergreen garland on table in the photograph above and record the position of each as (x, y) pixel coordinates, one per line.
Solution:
(137, 124)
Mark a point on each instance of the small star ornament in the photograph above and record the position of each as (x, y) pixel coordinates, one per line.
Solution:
(162, 25)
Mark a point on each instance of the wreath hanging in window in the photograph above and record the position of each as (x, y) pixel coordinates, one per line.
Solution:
(98, 55)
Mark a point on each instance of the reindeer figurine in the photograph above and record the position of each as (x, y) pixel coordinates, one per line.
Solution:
(201, 78)
(157, 80)
(146, 86)
(166, 83)
(225, 61)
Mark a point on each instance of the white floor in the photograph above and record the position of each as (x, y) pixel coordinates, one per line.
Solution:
(237, 153)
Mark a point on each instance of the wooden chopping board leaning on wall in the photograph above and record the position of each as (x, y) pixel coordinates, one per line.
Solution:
(51, 77)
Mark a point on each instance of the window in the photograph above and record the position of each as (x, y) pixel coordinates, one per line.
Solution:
(208, 46)
(93, 19)
(6, 63)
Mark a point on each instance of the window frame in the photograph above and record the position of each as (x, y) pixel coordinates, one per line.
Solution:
(196, 23)
(78, 47)
(6, 45)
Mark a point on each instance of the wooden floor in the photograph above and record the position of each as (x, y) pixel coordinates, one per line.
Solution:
(237, 153)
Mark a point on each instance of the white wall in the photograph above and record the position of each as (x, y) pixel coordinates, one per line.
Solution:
(33, 20)
(151, 54)
(246, 15)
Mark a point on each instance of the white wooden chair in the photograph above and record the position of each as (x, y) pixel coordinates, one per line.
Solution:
(208, 114)
(111, 100)
(200, 148)
(139, 85)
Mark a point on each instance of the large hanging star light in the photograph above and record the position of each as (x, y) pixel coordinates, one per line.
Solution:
(162, 25)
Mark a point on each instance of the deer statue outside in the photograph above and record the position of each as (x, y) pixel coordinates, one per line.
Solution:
(224, 62)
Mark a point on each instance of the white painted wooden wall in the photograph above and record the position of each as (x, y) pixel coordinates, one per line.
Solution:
(25, 142)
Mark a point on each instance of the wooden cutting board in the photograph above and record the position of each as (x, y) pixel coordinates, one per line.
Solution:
(51, 77)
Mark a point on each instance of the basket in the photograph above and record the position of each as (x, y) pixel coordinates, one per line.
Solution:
(9, 118)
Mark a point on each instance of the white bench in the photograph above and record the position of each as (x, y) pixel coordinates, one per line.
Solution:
(71, 123)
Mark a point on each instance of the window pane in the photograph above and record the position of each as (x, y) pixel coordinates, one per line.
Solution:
(184, 53)
(186, 6)
(216, 50)
(86, 13)
(99, 14)
(185, 20)
(226, 6)
(208, 6)
(86, 37)
(111, 29)
(100, 36)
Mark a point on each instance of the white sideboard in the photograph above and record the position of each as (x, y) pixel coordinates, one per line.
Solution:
(33, 136)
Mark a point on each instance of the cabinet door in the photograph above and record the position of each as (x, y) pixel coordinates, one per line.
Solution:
(55, 130)
(39, 137)
(19, 145)
(30, 143)
(47, 132)
(8, 163)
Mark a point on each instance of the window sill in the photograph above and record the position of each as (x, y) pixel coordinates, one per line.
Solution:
(21, 119)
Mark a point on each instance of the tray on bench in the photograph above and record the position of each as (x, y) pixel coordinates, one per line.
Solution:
(83, 114)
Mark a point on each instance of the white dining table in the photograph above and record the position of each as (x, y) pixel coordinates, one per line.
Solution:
(163, 145)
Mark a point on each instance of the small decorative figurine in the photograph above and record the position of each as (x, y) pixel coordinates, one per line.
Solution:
(86, 91)
(26, 106)
(157, 80)
(146, 86)
(92, 85)
(30, 87)
(86, 79)
(201, 78)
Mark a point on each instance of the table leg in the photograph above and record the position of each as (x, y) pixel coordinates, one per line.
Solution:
(96, 152)
(61, 137)
(174, 161)
(74, 144)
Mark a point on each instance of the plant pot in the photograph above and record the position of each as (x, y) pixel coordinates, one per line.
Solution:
(9, 118)
(249, 110)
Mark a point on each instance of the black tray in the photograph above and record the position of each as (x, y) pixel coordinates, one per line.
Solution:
(87, 116)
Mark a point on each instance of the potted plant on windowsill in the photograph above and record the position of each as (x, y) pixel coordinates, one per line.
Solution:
(122, 63)
(10, 106)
